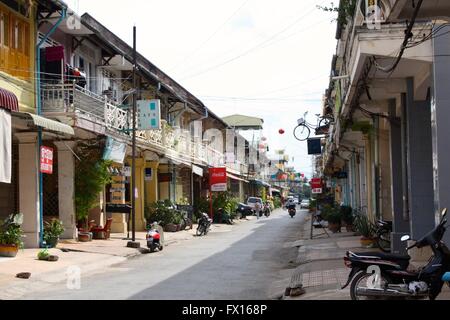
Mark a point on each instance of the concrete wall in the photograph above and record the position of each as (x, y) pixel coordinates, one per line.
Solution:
(420, 165)
(440, 128)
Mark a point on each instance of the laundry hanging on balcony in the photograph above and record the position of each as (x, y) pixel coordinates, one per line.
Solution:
(52, 64)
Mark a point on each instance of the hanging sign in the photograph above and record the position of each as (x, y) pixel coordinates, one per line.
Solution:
(115, 150)
(316, 183)
(46, 163)
(218, 179)
(149, 115)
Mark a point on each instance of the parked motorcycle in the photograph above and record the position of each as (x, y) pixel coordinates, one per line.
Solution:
(154, 239)
(204, 224)
(267, 210)
(392, 279)
(383, 235)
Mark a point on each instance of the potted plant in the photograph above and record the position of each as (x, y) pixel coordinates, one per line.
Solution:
(348, 218)
(334, 218)
(365, 228)
(53, 230)
(313, 206)
(43, 255)
(11, 235)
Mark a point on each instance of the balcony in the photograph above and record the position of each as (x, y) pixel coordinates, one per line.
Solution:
(73, 101)
(69, 100)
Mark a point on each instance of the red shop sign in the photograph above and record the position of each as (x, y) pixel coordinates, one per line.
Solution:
(46, 163)
(218, 179)
(316, 183)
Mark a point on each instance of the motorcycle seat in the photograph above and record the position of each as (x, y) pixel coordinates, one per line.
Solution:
(383, 256)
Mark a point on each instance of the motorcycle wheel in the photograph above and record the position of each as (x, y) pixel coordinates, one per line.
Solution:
(153, 248)
(200, 230)
(361, 280)
(383, 241)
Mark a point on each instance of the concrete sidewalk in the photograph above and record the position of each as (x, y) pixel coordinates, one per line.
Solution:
(320, 268)
(90, 257)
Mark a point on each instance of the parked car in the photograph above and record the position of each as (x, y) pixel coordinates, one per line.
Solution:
(305, 204)
(254, 202)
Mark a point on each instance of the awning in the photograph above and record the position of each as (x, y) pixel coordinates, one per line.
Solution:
(48, 124)
(8, 100)
(197, 170)
(233, 177)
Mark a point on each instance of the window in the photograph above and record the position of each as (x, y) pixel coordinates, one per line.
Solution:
(4, 29)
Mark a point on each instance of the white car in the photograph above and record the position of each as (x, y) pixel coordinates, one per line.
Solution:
(305, 204)
(254, 202)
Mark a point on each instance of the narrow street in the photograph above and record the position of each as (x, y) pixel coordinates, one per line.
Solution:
(241, 264)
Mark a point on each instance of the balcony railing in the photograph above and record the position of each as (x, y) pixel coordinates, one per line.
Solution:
(72, 99)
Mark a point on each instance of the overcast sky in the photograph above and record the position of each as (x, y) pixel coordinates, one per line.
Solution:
(269, 59)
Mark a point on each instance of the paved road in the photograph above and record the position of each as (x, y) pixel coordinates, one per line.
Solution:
(239, 264)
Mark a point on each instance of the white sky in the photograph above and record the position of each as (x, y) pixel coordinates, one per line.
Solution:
(269, 59)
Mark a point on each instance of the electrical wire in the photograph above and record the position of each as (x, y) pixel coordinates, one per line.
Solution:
(211, 36)
(254, 48)
(405, 41)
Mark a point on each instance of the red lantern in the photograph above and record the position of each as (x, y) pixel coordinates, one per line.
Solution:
(281, 131)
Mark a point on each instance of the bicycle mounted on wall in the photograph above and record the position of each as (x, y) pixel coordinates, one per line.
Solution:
(302, 131)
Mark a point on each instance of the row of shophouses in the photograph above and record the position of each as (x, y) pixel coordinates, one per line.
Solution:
(387, 153)
(43, 44)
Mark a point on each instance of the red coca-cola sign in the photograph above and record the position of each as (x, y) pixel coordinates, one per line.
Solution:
(316, 183)
(218, 179)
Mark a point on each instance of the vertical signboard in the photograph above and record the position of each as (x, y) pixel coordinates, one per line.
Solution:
(149, 115)
(316, 186)
(218, 179)
(46, 162)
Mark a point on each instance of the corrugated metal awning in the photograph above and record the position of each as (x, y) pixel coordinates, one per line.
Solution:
(8, 100)
(232, 176)
(46, 123)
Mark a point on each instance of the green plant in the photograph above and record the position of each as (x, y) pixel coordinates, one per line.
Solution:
(277, 202)
(364, 226)
(331, 213)
(347, 215)
(43, 254)
(91, 176)
(345, 10)
(162, 212)
(11, 231)
(313, 205)
(53, 230)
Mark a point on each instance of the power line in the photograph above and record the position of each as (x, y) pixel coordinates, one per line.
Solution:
(404, 45)
(211, 36)
(256, 47)
(294, 85)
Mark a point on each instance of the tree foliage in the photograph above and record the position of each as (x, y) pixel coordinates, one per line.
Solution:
(91, 176)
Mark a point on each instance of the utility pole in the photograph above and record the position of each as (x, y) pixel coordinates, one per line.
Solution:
(133, 243)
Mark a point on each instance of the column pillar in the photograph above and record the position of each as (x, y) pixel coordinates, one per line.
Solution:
(420, 164)
(400, 224)
(440, 129)
(29, 187)
(140, 197)
(66, 187)
(151, 187)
